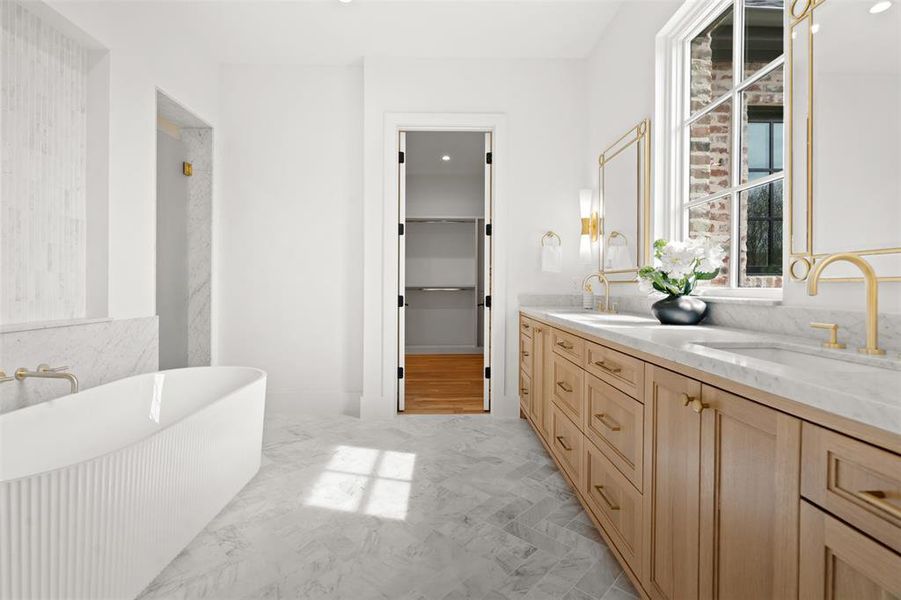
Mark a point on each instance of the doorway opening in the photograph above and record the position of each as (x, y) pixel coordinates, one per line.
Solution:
(444, 272)
(184, 194)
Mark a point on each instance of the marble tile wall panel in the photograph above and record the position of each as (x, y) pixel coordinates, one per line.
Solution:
(773, 318)
(97, 352)
(43, 128)
(199, 145)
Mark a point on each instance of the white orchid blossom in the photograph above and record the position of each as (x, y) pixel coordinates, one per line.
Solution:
(681, 265)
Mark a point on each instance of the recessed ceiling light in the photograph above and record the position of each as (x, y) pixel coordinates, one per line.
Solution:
(880, 7)
(344, 1)
(446, 157)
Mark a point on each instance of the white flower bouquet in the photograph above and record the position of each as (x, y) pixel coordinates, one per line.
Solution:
(681, 266)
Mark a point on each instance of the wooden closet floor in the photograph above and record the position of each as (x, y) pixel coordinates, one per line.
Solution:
(440, 384)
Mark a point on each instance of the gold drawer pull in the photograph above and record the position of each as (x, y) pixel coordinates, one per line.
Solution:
(562, 441)
(524, 392)
(603, 496)
(538, 330)
(563, 386)
(607, 422)
(615, 369)
(565, 345)
(695, 403)
(877, 499)
(525, 353)
(525, 325)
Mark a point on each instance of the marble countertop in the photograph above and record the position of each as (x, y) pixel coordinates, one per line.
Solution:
(847, 388)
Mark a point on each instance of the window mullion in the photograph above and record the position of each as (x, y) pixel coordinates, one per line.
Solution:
(736, 160)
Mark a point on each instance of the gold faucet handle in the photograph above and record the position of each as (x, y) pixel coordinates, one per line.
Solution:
(832, 328)
(45, 368)
(4, 377)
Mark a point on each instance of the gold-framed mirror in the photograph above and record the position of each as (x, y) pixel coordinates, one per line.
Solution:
(624, 205)
(844, 148)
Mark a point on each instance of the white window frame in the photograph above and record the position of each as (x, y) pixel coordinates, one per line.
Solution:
(673, 69)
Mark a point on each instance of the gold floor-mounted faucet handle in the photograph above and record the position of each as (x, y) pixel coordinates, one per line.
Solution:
(833, 342)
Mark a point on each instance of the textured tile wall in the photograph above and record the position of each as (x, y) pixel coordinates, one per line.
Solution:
(97, 352)
(199, 145)
(43, 126)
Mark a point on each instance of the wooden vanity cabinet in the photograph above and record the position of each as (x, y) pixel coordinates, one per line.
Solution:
(672, 490)
(534, 339)
(837, 562)
(698, 491)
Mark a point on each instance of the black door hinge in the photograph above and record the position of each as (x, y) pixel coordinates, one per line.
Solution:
(488, 158)
(400, 302)
(401, 157)
(400, 229)
(487, 301)
(400, 372)
(488, 229)
(487, 372)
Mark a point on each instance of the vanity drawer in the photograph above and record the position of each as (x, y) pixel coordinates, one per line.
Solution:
(525, 392)
(619, 370)
(525, 354)
(525, 326)
(568, 345)
(858, 483)
(567, 388)
(566, 444)
(615, 503)
(615, 423)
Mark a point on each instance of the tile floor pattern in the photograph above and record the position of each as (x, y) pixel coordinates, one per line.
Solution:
(417, 507)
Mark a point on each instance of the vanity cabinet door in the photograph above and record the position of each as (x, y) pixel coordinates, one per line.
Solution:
(525, 393)
(672, 485)
(840, 563)
(750, 485)
(537, 408)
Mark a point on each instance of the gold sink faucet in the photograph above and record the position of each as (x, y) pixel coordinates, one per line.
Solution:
(872, 286)
(45, 371)
(603, 279)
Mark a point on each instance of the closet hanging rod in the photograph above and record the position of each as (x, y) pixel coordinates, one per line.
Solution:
(442, 289)
(440, 220)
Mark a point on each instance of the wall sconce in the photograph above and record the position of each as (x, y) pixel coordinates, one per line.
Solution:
(590, 225)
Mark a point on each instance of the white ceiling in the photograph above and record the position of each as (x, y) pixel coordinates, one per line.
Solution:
(328, 32)
(425, 149)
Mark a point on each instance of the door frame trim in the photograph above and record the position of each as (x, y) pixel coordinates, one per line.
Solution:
(379, 397)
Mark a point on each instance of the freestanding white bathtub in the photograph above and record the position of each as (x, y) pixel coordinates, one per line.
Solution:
(101, 490)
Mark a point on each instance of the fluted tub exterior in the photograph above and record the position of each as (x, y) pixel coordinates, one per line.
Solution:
(100, 490)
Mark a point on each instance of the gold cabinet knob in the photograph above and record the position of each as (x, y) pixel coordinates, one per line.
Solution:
(832, 328)
(695, 403)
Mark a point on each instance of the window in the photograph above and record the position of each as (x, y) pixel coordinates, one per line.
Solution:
(723, 134)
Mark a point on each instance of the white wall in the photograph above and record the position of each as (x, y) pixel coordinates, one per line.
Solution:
(288, 273)
(621, 81)
(544, 102)
(139, 63)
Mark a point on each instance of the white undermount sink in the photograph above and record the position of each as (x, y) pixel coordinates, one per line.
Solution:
(807, 359)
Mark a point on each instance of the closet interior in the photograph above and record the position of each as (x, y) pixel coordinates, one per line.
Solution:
(444, 271)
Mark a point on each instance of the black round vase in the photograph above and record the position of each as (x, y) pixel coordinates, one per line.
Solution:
(680, 310)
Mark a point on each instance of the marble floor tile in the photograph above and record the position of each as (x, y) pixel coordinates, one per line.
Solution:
(413, 508)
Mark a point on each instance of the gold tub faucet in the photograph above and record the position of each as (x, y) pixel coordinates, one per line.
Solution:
(45, 371)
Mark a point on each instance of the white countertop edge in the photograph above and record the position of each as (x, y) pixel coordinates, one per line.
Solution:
(854, 396)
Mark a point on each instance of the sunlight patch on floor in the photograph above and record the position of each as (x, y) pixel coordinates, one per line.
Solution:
(366, 480)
